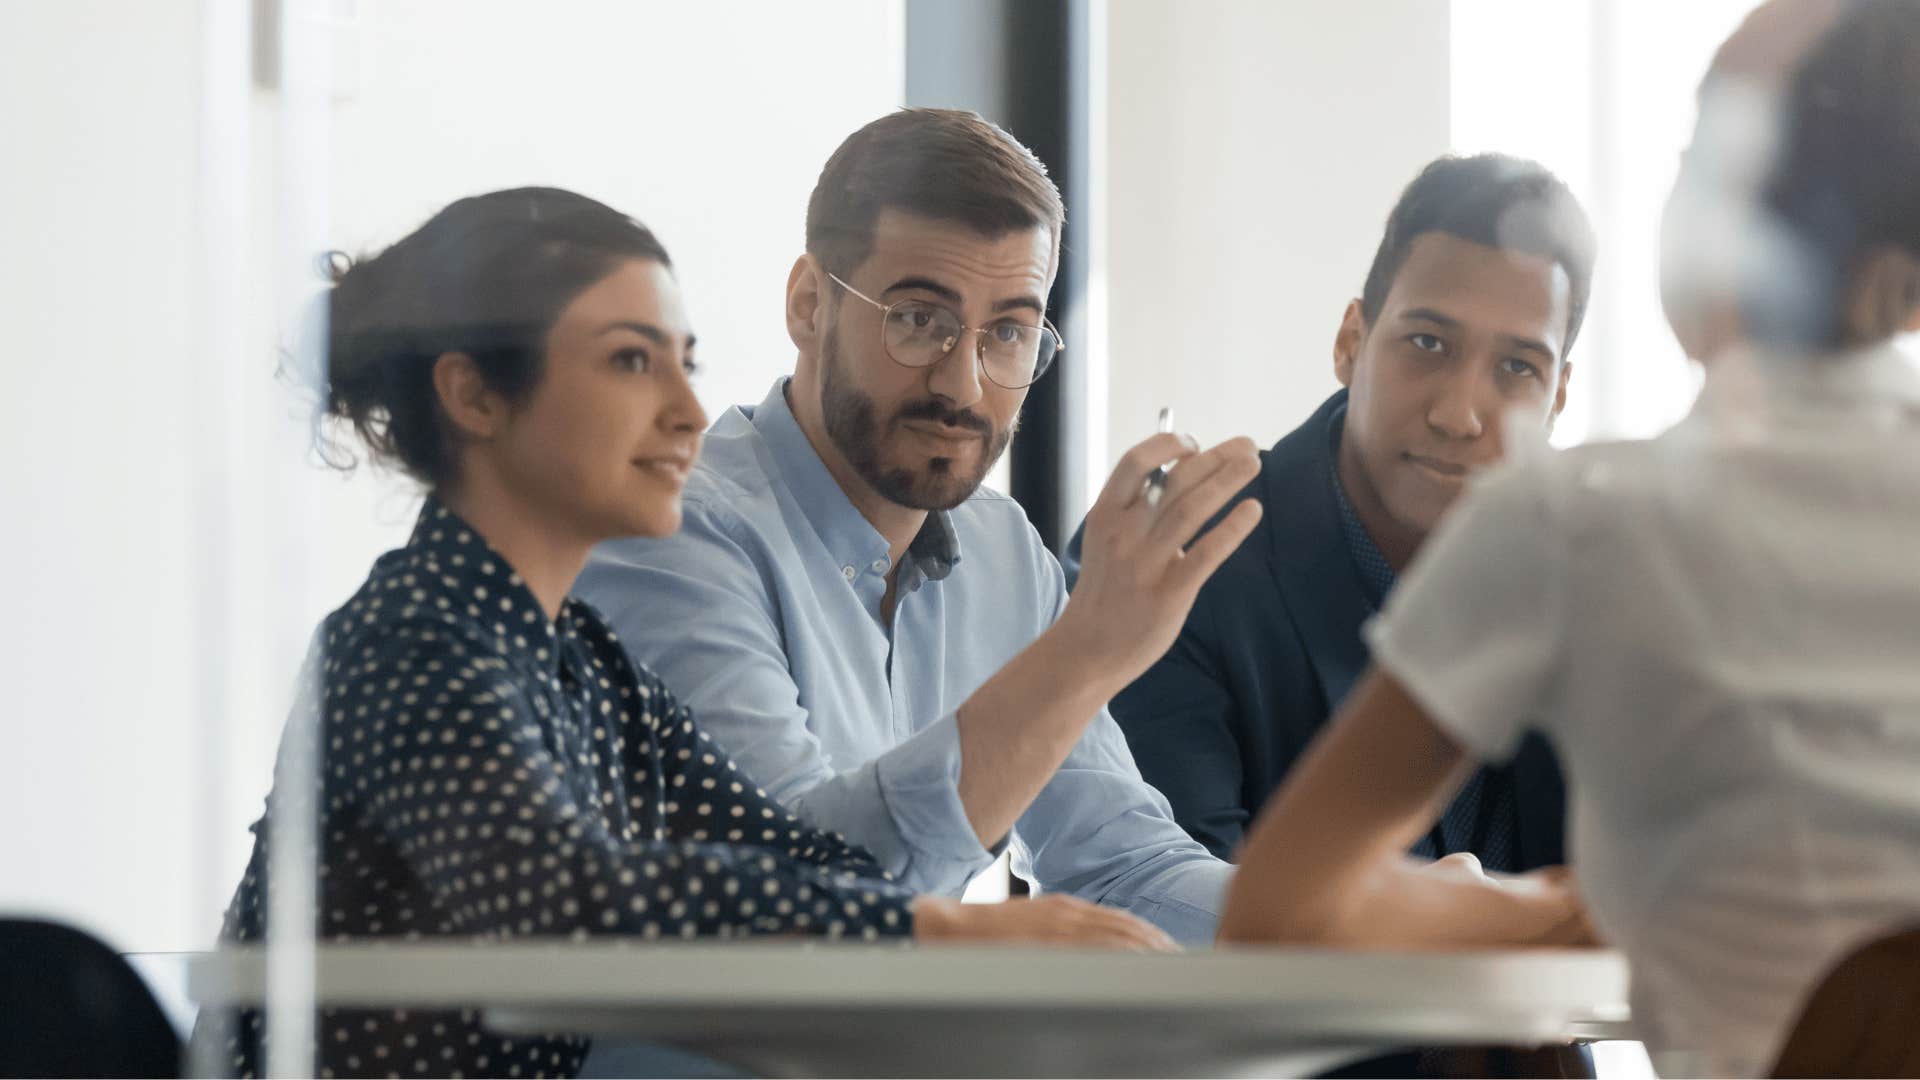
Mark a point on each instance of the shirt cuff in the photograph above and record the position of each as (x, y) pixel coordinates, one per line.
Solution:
(919, 784)
(1181, 892)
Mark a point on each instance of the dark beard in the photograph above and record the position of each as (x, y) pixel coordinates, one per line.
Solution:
(856, 432)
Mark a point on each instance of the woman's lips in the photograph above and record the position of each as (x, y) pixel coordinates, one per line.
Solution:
(672, 470)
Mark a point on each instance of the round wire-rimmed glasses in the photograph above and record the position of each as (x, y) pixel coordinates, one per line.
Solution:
(919, 334)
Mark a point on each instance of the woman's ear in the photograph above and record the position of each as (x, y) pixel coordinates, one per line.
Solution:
(475, 409)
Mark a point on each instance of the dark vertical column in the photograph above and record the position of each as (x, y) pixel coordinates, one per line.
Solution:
(1023, 65)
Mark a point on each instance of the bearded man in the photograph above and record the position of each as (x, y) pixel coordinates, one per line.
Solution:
(883, 644)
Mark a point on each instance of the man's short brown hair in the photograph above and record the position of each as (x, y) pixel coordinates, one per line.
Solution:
(946, 164)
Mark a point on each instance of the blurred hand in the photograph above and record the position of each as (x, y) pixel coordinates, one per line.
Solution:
(1558, 891)
(1460, 866)
(1138, 576)
(1043, 920)
(1544, 905)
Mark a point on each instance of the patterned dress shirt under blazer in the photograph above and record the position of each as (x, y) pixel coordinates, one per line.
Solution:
(763, 612)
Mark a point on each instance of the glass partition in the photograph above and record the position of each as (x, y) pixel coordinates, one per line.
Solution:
(180, 174)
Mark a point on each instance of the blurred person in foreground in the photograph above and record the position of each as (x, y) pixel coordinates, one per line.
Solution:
(1717, 627)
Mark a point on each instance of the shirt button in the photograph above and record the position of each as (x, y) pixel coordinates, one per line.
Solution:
(849, 573)
(879, 566)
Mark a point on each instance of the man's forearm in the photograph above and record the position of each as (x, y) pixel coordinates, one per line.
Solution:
(1021, 724)
(1143, 568)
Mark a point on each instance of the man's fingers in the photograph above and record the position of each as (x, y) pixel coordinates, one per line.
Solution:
(1221, 541)
(1184, 513)
(1108, 926)
(1072, 921)
(1129, 477)
(1135, 929)
(1194, 471)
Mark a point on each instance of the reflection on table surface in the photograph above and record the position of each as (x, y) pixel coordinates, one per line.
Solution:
(787, 1008)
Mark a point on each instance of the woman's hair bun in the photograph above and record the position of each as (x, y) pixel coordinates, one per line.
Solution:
(485, 277)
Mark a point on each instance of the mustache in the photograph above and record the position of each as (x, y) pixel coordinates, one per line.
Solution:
(931, 409)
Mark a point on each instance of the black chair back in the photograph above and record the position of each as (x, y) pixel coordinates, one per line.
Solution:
(70, 1006)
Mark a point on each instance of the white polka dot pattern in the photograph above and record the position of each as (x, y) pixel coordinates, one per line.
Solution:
(490, 775)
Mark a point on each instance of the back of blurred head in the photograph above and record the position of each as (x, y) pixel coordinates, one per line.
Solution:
(1794, 224)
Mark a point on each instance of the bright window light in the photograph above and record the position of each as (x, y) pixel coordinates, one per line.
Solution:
(1599, 91)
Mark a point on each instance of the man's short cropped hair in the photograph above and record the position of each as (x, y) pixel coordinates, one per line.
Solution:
(945, 164)
(1496, 201)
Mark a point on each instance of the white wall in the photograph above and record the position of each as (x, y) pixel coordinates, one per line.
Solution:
(126, 809)
(1609, 106)
(1256, 148)
(96, 463)
(709, 122)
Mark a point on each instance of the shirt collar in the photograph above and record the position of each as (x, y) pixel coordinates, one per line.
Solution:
(1376, 574)
(935, 548)
(849, 537)
(486, 591)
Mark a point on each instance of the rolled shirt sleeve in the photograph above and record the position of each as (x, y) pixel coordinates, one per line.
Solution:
(1475, 631)
(1100, 831)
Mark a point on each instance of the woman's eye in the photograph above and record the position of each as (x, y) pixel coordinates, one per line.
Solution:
(1518, 368)
(1428, 343)
(1006, 333)
(631, 359)
(689, 365)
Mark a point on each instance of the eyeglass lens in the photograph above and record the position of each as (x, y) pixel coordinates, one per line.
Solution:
(919, 334)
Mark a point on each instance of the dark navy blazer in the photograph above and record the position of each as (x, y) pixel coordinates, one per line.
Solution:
(1271, 648)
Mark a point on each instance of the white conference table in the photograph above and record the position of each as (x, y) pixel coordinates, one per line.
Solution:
(799, 1009)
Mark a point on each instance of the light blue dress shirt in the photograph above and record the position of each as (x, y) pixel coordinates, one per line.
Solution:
(763, 614)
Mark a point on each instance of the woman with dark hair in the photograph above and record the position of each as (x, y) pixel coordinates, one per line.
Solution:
(486, 763)
(1718, 628)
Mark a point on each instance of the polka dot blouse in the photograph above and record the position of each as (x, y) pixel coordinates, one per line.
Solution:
(491, 775)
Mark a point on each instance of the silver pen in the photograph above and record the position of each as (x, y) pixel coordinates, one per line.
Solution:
(1157, 479)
